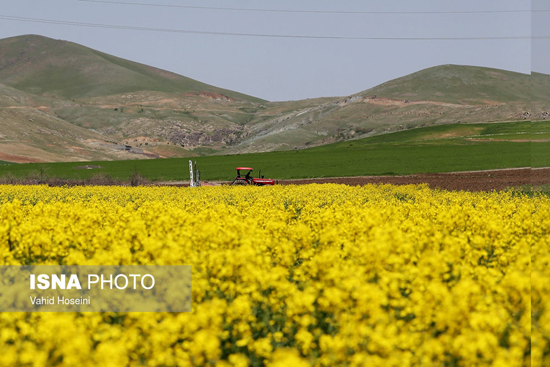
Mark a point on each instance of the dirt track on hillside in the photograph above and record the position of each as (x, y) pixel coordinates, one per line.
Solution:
(493, 180)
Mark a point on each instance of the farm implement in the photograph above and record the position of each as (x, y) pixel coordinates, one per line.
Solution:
(247, 179)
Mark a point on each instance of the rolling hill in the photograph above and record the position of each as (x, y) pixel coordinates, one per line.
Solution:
(60, 101)
(465, 84)
(41, 65)
(443, 94)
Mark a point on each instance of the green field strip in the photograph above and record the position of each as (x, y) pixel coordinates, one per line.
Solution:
(315, 162)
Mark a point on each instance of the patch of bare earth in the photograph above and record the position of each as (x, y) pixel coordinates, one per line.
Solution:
(211, 95)
(493, 180)
(22, 152)
(401, 103)
(452, 134)
(17, 159)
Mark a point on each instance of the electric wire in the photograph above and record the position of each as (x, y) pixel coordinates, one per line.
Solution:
(308, 11)
(186, 31)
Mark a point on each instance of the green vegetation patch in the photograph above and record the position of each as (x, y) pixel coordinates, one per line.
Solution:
(354, 160)
(540, 154)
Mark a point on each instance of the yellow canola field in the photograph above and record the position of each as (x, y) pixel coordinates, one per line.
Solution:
(322, 275)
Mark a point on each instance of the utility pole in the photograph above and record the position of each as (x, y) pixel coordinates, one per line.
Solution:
(194, 175)
(197, 176)
(191, 182)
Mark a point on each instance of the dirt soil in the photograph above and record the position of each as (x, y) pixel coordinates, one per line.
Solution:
(401, 103)
(17, 159)
(493, 180)
(490, 180)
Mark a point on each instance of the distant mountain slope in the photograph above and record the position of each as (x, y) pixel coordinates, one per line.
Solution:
(465, 84)
(39, 65)
(439, 95)
(63, 101)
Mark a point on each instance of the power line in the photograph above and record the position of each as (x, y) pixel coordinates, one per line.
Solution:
(169, 30)
(308, 11)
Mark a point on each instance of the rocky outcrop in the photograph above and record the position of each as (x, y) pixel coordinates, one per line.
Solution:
(224, 136)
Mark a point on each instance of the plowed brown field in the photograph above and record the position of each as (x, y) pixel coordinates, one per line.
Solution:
(468, 181)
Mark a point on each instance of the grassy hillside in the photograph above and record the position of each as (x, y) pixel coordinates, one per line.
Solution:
(433, 149)
(446, 94)
(41, 65)
(11, 97)
(340, 121)
(465, 84)
(60, 101)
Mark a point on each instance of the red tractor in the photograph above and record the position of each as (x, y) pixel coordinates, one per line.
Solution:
(249, 180)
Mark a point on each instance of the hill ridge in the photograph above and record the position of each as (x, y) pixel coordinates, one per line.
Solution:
(64, 67)
(453, 83)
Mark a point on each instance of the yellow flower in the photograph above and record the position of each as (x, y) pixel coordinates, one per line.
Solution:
(316, 275)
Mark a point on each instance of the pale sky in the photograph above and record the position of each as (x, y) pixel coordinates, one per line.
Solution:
(540, 27)
(279, 69)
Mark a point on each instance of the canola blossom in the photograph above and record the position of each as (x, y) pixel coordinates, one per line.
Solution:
(313, 275)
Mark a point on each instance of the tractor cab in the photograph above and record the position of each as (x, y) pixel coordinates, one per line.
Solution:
(247, 179)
